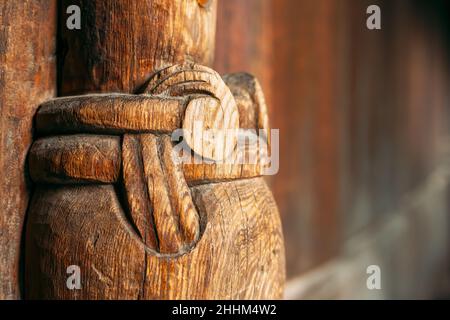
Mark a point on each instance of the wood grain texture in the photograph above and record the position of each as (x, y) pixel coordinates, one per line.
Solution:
(27, 78)
(249, 162)
(69, 159)
(75, 159)
(121, 43)
(152, 234)
(239, 256)
(80, 158)
(174, 230)
(136, 191)
(169, 216)
(109, 113)
(247, 28)
(85, 158)
(212, 115)
(251, 102)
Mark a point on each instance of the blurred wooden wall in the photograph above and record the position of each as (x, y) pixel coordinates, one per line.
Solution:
(364, 133)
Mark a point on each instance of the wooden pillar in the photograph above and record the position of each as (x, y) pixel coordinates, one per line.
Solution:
(111, 200)
(27, 78)
(252, 50)
(121, 43)
(305, 91)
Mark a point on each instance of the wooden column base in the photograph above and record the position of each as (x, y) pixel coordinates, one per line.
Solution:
(239, 255)
(113, 200)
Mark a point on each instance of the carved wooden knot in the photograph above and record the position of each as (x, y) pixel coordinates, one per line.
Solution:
(126, 139)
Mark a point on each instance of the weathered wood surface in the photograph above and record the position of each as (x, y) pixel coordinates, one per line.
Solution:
(162, 230)
(247, 27)
(101, 113)
(240, 254)
(203, 114)
(165, 218)
(158, 197)
(27, 78)
(96, 159)
(122, 42)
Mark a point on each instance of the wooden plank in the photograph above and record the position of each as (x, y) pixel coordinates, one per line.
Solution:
(27, 78)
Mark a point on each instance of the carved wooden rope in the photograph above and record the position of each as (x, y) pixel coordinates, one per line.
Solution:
(125, 139)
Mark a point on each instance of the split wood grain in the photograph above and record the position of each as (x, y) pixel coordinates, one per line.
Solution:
(155, 183)
(109, 113)
(203, 116)
(121, 43)
(125, 111)
(138, 202)
(75, 159)
(240, 254)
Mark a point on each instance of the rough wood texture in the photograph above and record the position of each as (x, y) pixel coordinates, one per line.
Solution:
(250, 100)
(75, 158)
(27, 78)
(109, 113)
(307, 84)
(160, 209)
(162, 198)
(122, 42)
(115, 113)
(96, 158)
(239, 256)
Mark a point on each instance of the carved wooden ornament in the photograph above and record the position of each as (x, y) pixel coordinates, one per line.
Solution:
(119, 197)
